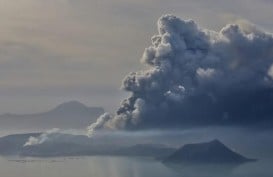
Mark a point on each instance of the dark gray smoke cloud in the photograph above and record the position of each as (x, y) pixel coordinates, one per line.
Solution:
(199, 77)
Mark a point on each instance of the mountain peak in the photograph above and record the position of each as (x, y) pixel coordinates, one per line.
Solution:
(215, 142)
(208, 152)
(71, 104)
(68, 115)
(74, 108)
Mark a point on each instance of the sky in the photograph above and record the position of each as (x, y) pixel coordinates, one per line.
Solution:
(59, 50)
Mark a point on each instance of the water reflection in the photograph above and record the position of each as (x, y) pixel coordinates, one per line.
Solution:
(124, 167)
(209, 170)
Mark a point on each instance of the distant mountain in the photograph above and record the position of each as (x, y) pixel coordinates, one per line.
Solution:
(69, 115)
(60, 145)
(75, 145)
(213, 152)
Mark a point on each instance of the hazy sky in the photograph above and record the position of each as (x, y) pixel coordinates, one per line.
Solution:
(58, 50)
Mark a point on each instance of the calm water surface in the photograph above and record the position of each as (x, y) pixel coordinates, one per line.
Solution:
(121, 167)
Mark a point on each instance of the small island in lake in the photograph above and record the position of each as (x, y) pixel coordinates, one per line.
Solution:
(213, 152)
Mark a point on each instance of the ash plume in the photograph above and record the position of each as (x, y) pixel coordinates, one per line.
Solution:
(198, 77)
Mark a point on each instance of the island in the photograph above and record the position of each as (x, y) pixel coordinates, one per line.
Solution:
(212, 152)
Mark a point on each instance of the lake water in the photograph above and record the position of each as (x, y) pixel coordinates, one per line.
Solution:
(98, 166)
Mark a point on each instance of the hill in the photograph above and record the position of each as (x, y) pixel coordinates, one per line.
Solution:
(213, 152)
(75, 145)
(68, 115)
(12, 144)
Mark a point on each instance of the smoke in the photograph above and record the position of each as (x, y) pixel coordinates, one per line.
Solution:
(98, 124)
(198, 77)
(58, 136)
(42, 138)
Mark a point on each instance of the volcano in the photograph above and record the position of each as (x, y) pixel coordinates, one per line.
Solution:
(213, 152)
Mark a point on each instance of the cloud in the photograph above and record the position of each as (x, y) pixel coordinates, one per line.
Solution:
(205, 73)
(270, 72)
(199, 77)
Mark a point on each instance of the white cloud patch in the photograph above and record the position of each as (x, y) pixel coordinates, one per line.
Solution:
(270, 72)
(205, 73)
